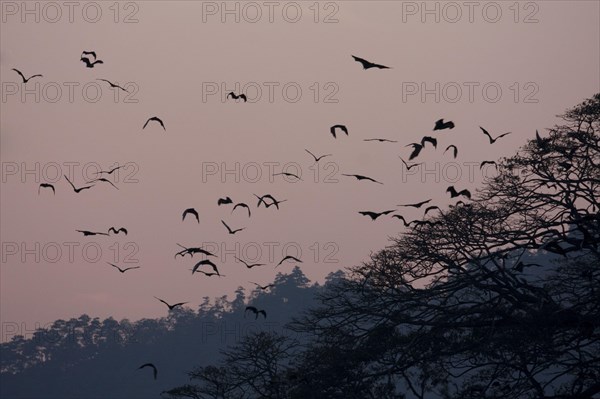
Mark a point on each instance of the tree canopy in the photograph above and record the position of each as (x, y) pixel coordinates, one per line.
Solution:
(498, 297)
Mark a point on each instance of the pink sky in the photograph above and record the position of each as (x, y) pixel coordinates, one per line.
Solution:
(173, 54)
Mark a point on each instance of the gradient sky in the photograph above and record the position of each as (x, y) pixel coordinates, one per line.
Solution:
(173, 53)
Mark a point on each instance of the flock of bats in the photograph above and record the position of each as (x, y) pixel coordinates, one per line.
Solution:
(89, 58)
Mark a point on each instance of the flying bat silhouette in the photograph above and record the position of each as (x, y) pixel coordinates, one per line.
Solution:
(171, 307)
(416, 150)
(46, 185)
(317, 159)
(209, 274)
(425, 223)
(92, 53)
(409, 167)
(381, 140)
(262, 287)
(454, 149)
(289, 257)
(360, 177)
(255, 311)
(102, 179)
(25, 80)
(374, 215)
(454, 193)
(406, 224)
(192, 250)
(268, 196)
(441, 125)
(242, 96)
(224, 201)
(205, 262)
(487, 163)
(343, 128)
(114, 230)
(113, 85)
(154, 369)
(368, 64)
(431, 208)
(242, 205)
(418, 204)
(109, 172)
(288, 174)
(250, 266)
(123, 270)
(492, 140)
(155, 119)
(190, 211)
(415, 222)
(91, 233)
(229, 228)
(428, 139)
(274, 203)
(89, 64)
(77, 190)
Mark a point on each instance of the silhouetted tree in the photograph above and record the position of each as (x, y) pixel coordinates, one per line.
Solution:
(498, 298)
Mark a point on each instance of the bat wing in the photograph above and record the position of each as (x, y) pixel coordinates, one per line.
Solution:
(428, 139)
(415, 153)
(196, 266)
(21, 74)
(401, 218)
(486, 133)
(313, 155)
(214, 267)
(115, 266)
(162, 302)
(191, 211)
(227, 227)
(332, 130)
(364, 62)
